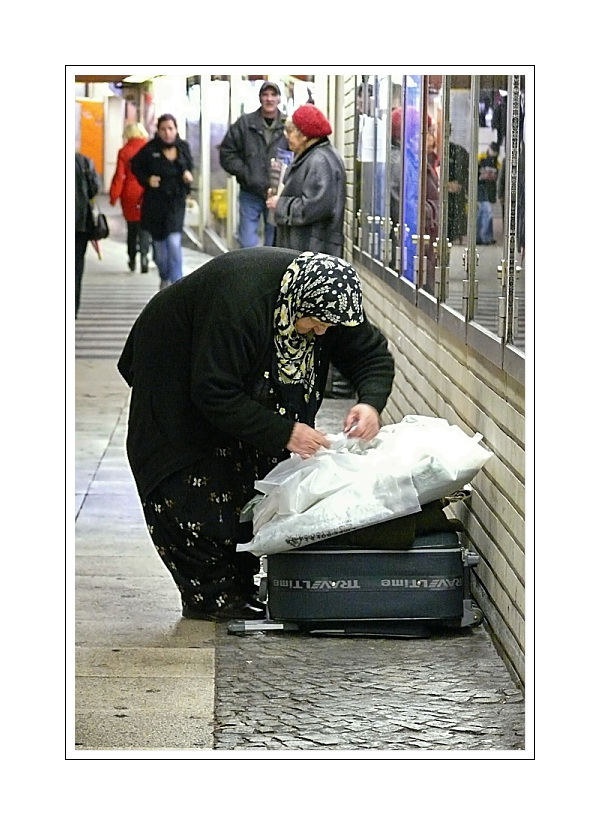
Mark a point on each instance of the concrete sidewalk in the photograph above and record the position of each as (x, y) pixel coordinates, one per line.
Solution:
(144, 677)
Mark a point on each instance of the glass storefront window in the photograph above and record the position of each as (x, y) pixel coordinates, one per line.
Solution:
(395, 155)
(430, 226)
(430, 198)
(411, 181)
(512, 196)
(489, 223)
(192, 132)
(456, 166)
(364, 162)
(218, 109)
(379, 229)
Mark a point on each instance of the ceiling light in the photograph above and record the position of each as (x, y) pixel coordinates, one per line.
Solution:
(138, 78)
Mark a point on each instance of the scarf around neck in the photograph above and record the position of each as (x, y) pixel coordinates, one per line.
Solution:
(162, 145)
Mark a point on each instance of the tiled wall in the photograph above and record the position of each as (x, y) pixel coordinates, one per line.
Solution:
(438, 375)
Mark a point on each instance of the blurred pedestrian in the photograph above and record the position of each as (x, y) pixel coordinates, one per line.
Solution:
(164, 168)
(432, 204)
(126, 187)
(246, 152)
(395, 166)
(487, 189)
(458, 188)
(227, 370)
(405, 192)
(87, 186)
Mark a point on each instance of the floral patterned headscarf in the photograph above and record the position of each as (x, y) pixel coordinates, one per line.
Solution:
(318, 286)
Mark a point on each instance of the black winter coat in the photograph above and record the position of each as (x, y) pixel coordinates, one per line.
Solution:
(458, 171)
(196, 356)
(87, 185)
(310, 211)
(244, 152)
(487, 185)
(163, 209)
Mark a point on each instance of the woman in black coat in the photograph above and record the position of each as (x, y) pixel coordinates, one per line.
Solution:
(227, 370)
(87, 185)
(309, 213)
(164, 168)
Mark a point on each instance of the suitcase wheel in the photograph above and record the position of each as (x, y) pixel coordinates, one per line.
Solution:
(477, 617)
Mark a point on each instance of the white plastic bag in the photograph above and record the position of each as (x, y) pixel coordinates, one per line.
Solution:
(355, 484)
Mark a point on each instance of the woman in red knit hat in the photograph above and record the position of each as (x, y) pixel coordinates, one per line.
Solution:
(309, 213)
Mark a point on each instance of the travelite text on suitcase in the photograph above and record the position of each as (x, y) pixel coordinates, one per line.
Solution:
(332, 586)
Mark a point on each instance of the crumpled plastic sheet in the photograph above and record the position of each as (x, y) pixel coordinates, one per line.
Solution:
(355, 484)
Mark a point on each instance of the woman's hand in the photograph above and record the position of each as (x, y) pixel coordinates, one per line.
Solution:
(187, 176)
(362, 421)
(305, 441)
(272, 201)
(154, 181)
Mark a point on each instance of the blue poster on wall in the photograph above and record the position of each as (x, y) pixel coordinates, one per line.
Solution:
(412, 152)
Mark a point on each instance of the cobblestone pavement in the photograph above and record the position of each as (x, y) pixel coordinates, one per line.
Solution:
(278, 691)
(298, 692)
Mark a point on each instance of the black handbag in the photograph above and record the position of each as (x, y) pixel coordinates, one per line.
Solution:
(97, 224)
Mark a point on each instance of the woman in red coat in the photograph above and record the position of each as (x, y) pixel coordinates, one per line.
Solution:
(126, 187)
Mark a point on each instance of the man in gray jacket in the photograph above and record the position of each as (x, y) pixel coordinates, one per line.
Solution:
(246, 152)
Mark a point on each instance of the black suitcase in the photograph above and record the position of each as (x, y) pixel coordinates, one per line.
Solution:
(330, 588)
(404, 577)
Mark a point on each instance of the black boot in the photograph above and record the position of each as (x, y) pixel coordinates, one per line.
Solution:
(132, 264)
(144, 263)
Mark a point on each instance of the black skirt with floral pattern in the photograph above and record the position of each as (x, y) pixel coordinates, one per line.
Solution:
(193, 520)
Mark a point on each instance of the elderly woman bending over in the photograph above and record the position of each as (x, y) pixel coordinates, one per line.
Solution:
(227, 369)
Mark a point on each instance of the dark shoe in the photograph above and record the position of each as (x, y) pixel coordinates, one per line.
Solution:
(131, 265)
(236, 608)
(144, 264)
